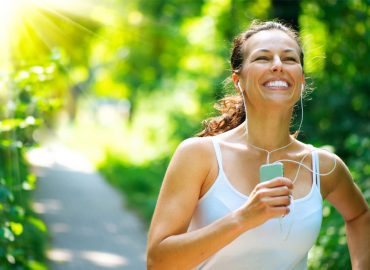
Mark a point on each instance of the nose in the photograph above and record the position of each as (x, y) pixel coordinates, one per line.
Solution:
(277, 65)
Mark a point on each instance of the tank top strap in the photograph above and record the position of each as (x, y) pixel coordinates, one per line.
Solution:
(217, 148)
(316, 168)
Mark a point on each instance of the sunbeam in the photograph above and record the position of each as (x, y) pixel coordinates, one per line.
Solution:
(9, 12)
(32, 28)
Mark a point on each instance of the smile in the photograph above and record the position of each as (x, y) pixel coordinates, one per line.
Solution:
(278, 84)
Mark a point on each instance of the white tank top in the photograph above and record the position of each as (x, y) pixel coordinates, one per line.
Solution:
(278, 244)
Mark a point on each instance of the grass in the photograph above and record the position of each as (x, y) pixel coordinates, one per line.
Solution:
(139, 183)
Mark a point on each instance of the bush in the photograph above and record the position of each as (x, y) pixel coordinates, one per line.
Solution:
(28, 106)
(139, 183)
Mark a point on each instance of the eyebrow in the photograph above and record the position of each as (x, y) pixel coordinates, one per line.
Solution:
(266, 50)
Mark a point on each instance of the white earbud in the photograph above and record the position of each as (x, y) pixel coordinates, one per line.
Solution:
(302, 87)
(240, 88)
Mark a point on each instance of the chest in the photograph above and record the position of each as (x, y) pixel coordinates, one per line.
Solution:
(242, 171)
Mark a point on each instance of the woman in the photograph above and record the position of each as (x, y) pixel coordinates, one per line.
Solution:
(213, 212)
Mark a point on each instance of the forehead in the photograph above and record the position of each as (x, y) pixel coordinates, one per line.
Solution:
(273, 40)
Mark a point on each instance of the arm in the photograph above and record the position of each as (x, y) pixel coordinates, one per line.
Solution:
(346, 197)
(170, 246)
(358, 238)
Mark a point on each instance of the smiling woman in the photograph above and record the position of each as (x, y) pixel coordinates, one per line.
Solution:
(218, 210)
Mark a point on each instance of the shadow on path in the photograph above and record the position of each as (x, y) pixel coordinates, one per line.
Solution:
(88, 225)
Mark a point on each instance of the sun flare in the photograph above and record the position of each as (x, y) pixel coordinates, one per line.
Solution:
(10, 14)
(9, 10)
(36, 25)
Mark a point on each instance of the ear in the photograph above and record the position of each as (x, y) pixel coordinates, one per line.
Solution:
(303, 82)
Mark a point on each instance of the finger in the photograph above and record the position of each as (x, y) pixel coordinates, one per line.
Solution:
(278, 181)
(273, 192)
(278, 201)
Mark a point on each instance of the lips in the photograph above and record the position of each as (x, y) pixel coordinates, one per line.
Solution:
(277, 84)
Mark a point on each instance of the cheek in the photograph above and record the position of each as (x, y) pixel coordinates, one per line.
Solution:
(298, 71)
(252, 74)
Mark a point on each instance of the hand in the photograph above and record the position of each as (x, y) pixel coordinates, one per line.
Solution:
(268, 200)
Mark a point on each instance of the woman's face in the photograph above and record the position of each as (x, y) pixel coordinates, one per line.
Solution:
(272, 70)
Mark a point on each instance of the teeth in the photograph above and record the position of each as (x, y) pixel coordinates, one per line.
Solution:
(277, 84)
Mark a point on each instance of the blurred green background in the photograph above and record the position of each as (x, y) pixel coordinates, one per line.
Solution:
(125, 81)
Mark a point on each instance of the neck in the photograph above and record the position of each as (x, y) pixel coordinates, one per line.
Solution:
(268, 130)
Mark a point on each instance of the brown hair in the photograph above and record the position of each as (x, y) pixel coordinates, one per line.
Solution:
(231, 107)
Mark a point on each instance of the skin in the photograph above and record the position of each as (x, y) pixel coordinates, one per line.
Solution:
(193, 169)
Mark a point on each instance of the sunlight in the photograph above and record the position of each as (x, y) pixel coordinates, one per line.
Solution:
(34, 26)
(58, 155)
(60, 255)
(9, 11)
(105, 259)
(80, 8)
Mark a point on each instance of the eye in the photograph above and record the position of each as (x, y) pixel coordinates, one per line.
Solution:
(290, 59)
(261, 58)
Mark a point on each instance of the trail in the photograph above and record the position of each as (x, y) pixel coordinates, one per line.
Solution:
(89, 226)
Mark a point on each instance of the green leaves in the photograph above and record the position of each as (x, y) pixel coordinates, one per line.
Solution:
(5, 195)
(6, 234)
(30, 104)
(339, 112)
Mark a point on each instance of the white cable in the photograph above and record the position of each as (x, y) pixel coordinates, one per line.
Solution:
(301, 164)
(292, 210)
(291, 196)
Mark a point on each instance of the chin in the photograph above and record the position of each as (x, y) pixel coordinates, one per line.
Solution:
(281, 99)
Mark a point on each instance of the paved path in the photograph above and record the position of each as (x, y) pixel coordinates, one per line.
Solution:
(89, 227)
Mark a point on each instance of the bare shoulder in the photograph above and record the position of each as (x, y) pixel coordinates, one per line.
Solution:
(180, 189)
(193, 156)
(330, 162)
(199, 145)
(333, 171)
(195, 150)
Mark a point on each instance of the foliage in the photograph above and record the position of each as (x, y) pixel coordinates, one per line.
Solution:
(42, 68)
(28, 105)
(140, 183)
(44, 55)
(340, 110)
